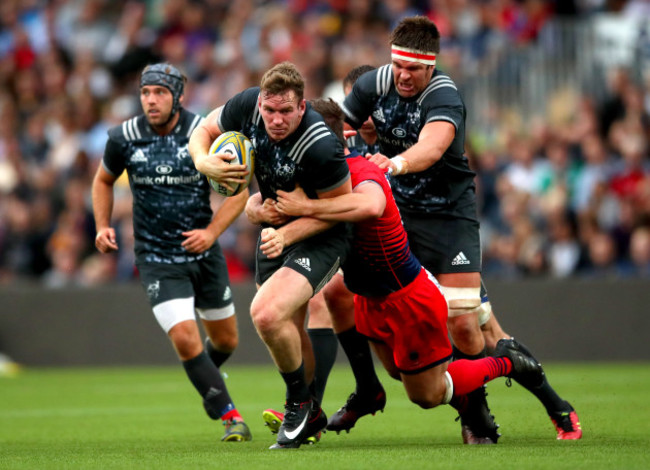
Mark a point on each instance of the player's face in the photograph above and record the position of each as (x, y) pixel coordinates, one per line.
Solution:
(156, 103)
(410, 78)
(281, 114)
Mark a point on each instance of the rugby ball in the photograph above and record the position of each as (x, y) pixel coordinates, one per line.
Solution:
(234, 143)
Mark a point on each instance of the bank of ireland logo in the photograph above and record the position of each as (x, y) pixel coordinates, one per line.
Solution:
(163, 169)
(399, 132)
(153, 290)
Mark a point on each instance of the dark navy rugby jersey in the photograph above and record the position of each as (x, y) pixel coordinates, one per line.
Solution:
(169, 195)
(357, 144)
(311, 156)
(399, 122)
(380, 261)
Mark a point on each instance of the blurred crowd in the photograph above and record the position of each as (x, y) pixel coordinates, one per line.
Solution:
(556, 201)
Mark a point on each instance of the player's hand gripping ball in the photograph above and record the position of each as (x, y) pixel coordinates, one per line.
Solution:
(237, 144)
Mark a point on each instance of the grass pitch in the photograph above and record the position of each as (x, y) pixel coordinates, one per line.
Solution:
(152, 418)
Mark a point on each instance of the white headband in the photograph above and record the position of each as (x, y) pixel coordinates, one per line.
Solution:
(413, 55)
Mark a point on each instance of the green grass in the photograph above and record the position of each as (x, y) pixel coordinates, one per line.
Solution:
(152, 418)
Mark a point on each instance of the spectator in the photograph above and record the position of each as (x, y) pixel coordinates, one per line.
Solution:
(68, 73)
(640, 252)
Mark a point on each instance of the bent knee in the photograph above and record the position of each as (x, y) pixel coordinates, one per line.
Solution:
(427, 401)
(225, 344)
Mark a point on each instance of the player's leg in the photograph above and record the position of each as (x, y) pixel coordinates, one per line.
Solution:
(562, 414)
(449, 247)
(462, 291)
(214, 305)
(441, 382)
(222, 338)
(221, 341)
(323, 341)
(451, 383)
(171, 295)
(369, 395)
(278, 311)
(278, 314)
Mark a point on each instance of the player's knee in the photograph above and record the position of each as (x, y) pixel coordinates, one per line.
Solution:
(464, 304)
(463, 326)
(186, 341)
(464, 329)
(225, 343)
(429, 399)
(264, 319)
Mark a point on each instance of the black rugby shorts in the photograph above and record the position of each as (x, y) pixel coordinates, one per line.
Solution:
(317, 258)
(206, 280)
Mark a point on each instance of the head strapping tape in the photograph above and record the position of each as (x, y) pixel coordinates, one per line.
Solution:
(413, 55)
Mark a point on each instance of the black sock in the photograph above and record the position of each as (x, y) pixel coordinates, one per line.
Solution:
(207, 380)
(357, 350)
(458, 354)
(297, 390)
(325, 347)
(217, 357)
(545, 393)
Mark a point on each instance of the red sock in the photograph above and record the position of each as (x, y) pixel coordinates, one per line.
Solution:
(232, 415)
(468, 375)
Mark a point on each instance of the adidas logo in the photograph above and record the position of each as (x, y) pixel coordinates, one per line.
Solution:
(460, 259)
(304, 262)
(379, 115)
(227, 294)
(213, 392)
(138, 156)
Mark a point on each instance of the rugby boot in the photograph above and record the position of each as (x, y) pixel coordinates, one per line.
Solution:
(356, 407)
(236, 431)
(567, 424)
(301, 420)
(273, 419)
(476, 422)
(525, 368)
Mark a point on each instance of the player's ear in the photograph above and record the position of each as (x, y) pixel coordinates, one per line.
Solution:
(302, 106)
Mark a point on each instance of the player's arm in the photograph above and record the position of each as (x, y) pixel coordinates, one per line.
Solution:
(217, 166)
(265, 212)
(274, 240)
(434, 139)
(199, 240)
(102, 196)
(367, 201)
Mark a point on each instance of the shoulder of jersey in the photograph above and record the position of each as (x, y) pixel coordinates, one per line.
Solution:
(315, 134)
(137, 129)
(439, 81)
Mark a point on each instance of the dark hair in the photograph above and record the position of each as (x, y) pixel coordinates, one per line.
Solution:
(354, 74)
(332, 114)
(417, 32)
(281, 78)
